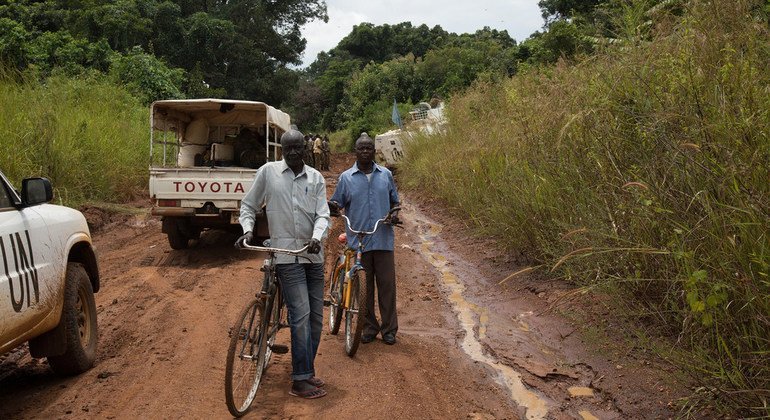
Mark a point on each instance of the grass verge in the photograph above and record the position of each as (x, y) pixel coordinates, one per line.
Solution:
(644, 170)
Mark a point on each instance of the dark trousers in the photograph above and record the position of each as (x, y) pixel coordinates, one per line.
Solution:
(380, 269)
(303, 289)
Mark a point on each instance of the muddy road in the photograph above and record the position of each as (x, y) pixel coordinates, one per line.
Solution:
(468, 347)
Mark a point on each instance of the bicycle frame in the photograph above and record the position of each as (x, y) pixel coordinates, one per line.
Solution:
(351, 269)
(273, 289)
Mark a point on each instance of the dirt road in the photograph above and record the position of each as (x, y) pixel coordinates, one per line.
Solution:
(467, 347)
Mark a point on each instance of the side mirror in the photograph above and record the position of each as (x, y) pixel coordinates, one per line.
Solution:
(36, 191)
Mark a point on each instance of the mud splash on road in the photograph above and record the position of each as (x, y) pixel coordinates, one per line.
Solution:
(473, 319)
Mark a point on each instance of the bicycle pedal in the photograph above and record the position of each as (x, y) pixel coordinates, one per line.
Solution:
(279, 348)
(327, 302)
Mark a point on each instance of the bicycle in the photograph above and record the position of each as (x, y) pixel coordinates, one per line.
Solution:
(252, 338)
(347, 287)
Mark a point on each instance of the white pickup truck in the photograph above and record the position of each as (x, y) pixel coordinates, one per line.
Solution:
(48, 276)
(204, 156)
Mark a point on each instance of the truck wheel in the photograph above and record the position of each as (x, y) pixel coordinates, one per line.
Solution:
(79, 319)
(176, 238)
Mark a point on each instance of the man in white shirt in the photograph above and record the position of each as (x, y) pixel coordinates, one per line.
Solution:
(294, 196)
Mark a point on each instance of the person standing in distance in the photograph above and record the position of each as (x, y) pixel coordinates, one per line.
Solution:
(367, 192)
(318, 152)
(326, 151)
(294, 196)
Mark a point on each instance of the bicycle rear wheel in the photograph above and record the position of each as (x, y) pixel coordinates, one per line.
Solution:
(245, 358)
(355, 316)
(335, 295)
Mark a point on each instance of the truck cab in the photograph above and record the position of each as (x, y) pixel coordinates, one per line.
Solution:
(204, 157)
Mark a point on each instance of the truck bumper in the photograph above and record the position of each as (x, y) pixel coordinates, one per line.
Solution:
(173, 212)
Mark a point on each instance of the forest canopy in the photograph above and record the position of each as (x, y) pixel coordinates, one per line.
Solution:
(250, 49)
(164, 49)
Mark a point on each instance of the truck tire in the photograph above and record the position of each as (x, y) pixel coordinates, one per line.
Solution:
(176, 238)
(79, 321)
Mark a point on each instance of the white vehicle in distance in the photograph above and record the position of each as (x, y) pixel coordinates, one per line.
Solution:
(48, 276)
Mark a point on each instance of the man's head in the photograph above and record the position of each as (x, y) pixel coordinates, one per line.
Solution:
(364, 149)
(293, 145)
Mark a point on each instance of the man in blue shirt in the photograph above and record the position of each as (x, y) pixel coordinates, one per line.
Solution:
(367, 192)
(294, 196)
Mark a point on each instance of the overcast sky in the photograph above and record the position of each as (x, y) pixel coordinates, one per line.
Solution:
(519, 17)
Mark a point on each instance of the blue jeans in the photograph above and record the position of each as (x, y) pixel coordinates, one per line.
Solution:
(303, 289)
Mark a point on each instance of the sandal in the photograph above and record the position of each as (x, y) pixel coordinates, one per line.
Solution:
(316, 382)
(309, 393)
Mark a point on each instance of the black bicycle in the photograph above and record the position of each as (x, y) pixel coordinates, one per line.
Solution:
(252, 338)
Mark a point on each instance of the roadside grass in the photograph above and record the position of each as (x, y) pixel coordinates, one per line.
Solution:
(341, 141)
(88, 136)
(644, 168)
(118, 208)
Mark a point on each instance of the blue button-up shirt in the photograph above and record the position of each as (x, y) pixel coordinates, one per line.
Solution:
(295, 204)
(365, 201)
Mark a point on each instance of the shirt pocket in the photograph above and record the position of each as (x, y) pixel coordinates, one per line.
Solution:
(307, 200)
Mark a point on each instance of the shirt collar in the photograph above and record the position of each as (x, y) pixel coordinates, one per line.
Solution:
(375, 167)
(284, 167)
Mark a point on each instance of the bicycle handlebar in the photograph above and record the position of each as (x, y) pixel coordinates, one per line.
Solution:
(244, 245)
(376, 225)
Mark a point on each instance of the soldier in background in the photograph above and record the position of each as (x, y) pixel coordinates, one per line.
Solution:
(308, 156)
(326, 152)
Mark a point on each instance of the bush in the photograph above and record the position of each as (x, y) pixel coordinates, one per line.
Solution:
(88, 136)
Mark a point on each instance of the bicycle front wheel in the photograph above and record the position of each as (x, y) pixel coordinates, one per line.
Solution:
(335, 296)
(245, 358)
(355, 316)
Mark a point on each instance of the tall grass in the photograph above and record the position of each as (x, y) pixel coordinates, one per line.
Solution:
(88, 136)
(645, 169)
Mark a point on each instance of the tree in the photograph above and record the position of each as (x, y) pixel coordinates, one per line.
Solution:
(241, 46)
(147, 77)
(385, 42)
(562, 39)
(13, 39)
(563, 9)
(381, 83)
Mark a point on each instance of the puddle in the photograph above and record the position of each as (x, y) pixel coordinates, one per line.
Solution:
(473, 320)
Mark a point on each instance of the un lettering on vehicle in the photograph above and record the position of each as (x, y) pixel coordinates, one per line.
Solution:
(208, 187)
(17, 253)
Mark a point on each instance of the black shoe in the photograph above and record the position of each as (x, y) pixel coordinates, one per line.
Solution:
(366, 339)
(389, 339)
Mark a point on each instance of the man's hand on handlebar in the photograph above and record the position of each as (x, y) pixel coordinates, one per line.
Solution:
(334, 209)
(247, 238)
(314, 246)
(393, 216)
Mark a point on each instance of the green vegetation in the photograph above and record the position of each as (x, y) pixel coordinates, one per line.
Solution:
(88, 136)
(353, 86)
(163, 49)
(624, 147)
(167, 49)
(642, 169)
